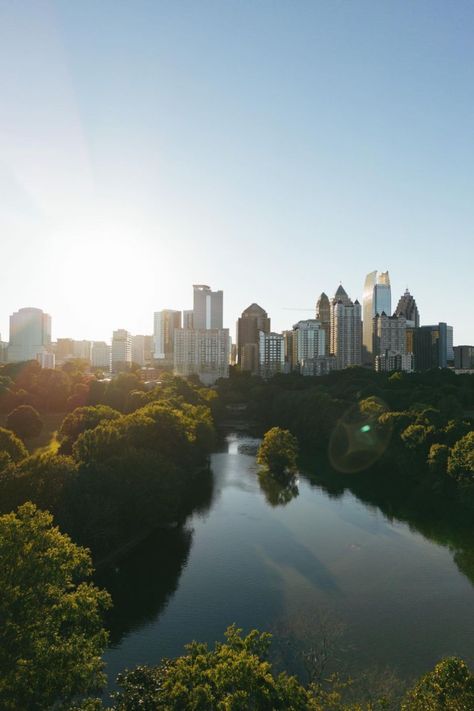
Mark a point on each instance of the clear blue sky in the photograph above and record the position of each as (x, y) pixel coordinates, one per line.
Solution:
(269, 149)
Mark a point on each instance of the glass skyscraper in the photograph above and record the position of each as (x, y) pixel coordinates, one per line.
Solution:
(377, 299)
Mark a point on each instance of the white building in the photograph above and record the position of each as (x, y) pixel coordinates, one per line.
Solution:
(204, 352)
(30, 334)
(46, 360)
(121, 355)
(309, 340)
(377, 298)
(346, 330)
(271, 354)
(100, 355)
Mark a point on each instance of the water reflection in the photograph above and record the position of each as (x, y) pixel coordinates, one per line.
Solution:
(277, 494)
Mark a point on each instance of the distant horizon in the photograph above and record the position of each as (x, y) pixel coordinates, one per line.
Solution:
(271, 150)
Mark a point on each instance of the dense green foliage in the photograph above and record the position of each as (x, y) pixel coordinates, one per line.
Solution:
(51, 635)
(449, 687)
(25, 422)
(278, 452)
(116, 476)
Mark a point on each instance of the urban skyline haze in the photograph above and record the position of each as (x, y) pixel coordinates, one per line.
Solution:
(272, 150)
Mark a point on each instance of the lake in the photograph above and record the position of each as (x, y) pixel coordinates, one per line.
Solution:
(300, 563)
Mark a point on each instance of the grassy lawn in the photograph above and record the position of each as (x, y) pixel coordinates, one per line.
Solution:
(46, 442)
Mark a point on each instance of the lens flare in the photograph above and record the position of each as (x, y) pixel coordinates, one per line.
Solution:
(360, 437)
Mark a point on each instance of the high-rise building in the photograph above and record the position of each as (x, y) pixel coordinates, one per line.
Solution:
(376, 299)
(290, 350)
(100, 355)
(188, 318)
(46, 359)
(310, 340)
(390, 343)
(464, 357)
(253, 320)
(323, 315)
(121, 353)
(165, 324)
(207, 307)
(138, 350)
(430, 345)
(82, 350)
(346, 330)
(204, 352)
(64, 349)
(407, 307)
(30, 334)
(271, 353)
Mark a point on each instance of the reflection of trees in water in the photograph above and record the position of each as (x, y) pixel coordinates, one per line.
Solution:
(277, 494)
(427, 505)
(142, 582)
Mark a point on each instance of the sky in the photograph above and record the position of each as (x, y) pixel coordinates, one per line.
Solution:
(272, 149)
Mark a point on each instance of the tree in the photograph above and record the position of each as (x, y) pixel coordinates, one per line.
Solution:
(461, 459)
(13, 446)
(51, 637)
(438, 458)
(235, 675)
(83, 419)
(449, 687)
(25, 422)
(278, 452)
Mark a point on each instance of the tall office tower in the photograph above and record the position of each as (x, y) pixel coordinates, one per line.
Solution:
(323, 315)
(390, 344)
(407, 307)
(346, 330)
(82, 350)
(138, 350)
(204, 352)
(207, 307)
(3, 351)
(450, 345)
(310, 340)
(149, 348)
(188, 318)
(377, 299)
(253, 320)
(290, 350)
(464, 357)
(30, 334)
(121, 354)
(100, 355)
(271, 354)
(431, 346)
(165, 324)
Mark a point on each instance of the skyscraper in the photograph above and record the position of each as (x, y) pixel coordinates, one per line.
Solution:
(271, 354)
(207, 307)
(346, 330)
(121, 354)
(323, 315)
(30, 334)
(253, 320)
(165, 324)
(204, 352)
(390, 343)
(407, 307)
(376, 299)
(431, 346)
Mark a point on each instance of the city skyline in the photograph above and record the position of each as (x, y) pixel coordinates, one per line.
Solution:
(341, 136)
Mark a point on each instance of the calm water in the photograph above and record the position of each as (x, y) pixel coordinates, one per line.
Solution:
(400, 596)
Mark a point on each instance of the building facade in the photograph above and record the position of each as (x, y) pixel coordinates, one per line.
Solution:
(100, 355)
(407, 307)
(377, 298)
(271, 354)
(430, 345)
(30, 334)
(253, 320)
(464, 357)
(207, 307)
(323, 315)
(346, 330)
(164, 325)
(309, 341)
(121, 352)
(202, 352)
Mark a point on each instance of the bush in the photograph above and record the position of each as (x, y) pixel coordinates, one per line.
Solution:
(449, 687)
(438, 458)
(461, 458)
(25, 422)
